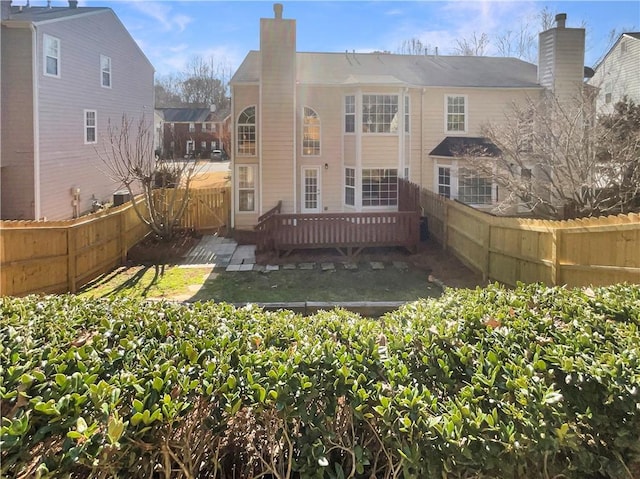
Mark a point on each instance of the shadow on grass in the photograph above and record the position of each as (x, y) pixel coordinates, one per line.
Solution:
(132, 282)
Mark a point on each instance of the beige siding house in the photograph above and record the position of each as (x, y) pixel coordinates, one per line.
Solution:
(333, 132)
(618, 74)
(66, 72)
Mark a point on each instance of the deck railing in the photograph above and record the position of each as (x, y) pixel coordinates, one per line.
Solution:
(349, 233)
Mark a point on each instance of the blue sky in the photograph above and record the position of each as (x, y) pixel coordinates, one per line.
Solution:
(172, 32)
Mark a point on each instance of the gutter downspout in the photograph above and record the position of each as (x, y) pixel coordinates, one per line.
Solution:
(232, 165)
(422, 139)
(37, 210)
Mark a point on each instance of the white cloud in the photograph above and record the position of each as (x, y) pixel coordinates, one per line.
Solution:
(163, 14)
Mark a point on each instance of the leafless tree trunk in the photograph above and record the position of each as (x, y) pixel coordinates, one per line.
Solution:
(553, 159)
(163, 186)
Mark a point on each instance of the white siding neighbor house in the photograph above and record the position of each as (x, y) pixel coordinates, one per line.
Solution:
(66, 72)
(618, 74)
(333, 132)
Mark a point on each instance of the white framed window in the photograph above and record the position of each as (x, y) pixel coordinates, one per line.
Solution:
(407, 116)
(192, 127)
(203, 145)
(444, 181)
(456, 113)
(246, 188)
(105, 71)
(379, 113)
(247, 132)
(474, 188)
(350, 114)
(310, 133)
(191, 145)
(90, 127)
(379, 187)
(350, 186)
(51, 51)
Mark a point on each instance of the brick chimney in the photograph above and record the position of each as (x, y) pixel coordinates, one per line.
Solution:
(561, 58)
(73, 3)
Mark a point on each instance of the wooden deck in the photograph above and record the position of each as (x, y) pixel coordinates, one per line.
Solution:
(348, 233)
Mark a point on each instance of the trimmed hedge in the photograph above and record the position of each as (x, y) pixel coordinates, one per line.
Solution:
(534, 382)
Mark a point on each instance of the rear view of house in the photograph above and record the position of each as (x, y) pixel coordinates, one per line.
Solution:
(66, 73)
(334, 132)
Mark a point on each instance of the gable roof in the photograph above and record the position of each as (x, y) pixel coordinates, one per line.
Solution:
(634, 35)
(392, 69)
(190, 115)
(38, 15)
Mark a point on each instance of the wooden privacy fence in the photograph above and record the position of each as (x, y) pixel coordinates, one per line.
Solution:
(347, 232)
(62, 256)
(588, 251)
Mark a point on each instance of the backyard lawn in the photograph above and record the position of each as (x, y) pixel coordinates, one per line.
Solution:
(202, 284)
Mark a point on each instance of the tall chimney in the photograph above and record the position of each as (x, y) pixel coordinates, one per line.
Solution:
(561, 19)
(6, 9)
(277, 9)
(73, 3)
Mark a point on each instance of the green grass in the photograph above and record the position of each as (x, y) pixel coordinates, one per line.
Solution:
(201, 284)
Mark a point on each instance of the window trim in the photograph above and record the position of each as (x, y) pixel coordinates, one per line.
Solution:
(392, 203)
(305, 126)
(446, 113)
(451, 184)
(382, 114)
(349, 114)
(349, 187)
(45, 39)
(465, 172)
(407, 114)
(108, 71)
(253, 125)
(87, 127)
(240, 189)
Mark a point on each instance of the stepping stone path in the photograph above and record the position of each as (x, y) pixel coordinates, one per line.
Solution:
(328, 266)
(348, 265)
(289, 266)
(376, 265)
(307, 266)
(401, 265)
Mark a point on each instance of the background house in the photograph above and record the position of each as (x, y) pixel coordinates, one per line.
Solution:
(618, 74)
(66, 73)
(332, 132)
(190, 132)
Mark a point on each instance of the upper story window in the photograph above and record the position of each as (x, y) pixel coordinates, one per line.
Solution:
(379, 113)
(456, 117)
(310, 133)
(105, 71)
(90, 125)
(192, 127)
(247, 131)
(406, 114)
(51, 56)
(350, 114)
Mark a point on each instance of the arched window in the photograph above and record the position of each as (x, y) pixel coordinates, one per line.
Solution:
(310, 133)
(247, 132)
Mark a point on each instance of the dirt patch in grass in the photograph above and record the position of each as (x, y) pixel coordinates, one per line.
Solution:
(152, 250)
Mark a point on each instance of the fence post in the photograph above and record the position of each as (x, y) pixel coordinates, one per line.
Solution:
(71, 260)
(122, 225)
(487, 252)
(445, 224)
(556, 238)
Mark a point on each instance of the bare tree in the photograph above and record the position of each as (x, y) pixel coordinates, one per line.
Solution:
(559, 161)
(414, 46)
(520, 43)
(164, 186)
(475, 46)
